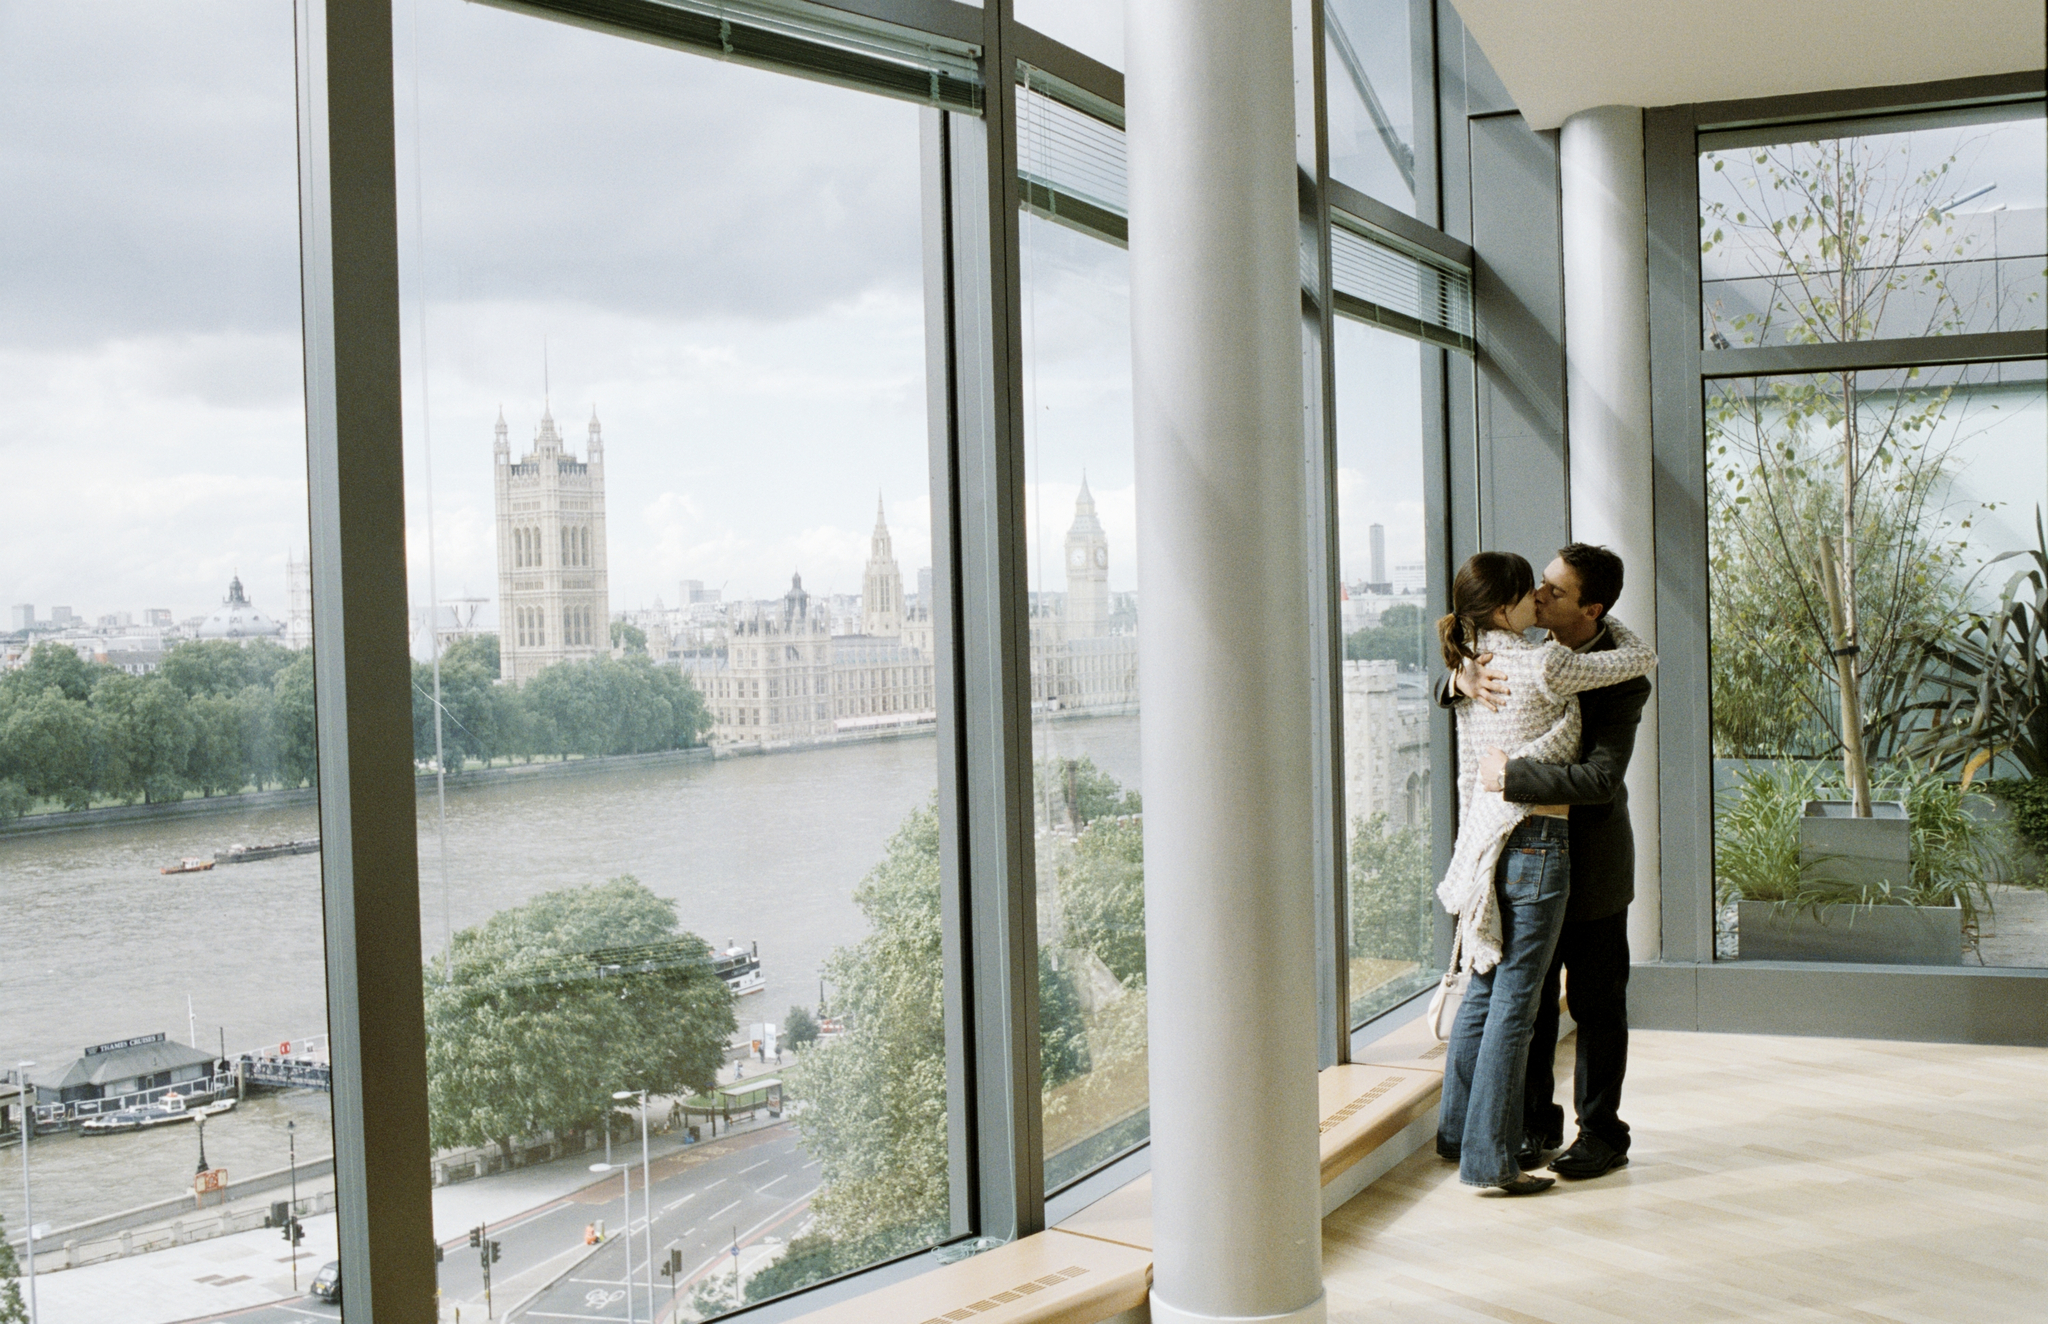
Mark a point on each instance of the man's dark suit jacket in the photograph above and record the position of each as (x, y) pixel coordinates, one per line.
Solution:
(1603, 843)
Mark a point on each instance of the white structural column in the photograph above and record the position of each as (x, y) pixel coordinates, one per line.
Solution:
(1224, 660)
(1607, 370)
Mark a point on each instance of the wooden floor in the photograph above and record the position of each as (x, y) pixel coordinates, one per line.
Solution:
(1772, 1179)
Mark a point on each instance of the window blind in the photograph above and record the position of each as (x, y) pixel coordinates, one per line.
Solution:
(1378, 278)
(1070, 162)
(793, 37)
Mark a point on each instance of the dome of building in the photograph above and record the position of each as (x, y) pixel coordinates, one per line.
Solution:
(238, 618)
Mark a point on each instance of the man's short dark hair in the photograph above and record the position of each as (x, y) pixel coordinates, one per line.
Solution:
(1599, 572)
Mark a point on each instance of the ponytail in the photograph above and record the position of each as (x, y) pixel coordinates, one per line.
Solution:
(1486, 582)
(1450, 635)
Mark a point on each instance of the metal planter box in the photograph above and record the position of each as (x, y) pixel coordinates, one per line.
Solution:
(1837, 847)
(1869, 935)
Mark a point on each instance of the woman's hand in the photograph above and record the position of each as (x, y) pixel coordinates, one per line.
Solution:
(1481, 683)
(1493, 770)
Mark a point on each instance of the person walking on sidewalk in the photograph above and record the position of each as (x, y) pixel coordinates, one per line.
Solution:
(1579, 588)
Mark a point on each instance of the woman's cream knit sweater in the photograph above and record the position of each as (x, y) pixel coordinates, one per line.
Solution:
(1539, 721)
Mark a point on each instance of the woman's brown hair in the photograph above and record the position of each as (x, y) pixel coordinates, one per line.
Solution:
(1486, 582)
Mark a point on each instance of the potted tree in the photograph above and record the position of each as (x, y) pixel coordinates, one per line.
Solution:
(1833, 572)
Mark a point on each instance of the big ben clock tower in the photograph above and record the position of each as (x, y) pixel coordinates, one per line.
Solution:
(1087, 571)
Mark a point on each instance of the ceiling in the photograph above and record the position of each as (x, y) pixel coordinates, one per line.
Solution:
(1558, 57)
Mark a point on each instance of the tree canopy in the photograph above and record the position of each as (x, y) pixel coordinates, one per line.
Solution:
(1401, 636)
(523, 1037)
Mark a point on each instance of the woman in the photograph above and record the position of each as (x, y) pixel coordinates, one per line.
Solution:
(1511, 868)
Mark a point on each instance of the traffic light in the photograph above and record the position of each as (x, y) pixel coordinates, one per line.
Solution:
(296, 1231)
(476, 1236)
(439, 1254)
(284, 1229)
(494, 1252)
(674, 1267)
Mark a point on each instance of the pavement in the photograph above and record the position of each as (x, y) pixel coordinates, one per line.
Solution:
(755, 1179)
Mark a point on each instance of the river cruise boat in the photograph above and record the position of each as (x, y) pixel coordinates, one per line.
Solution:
(740, 968)
(240, 854)
(165, 1111)
(190, 864)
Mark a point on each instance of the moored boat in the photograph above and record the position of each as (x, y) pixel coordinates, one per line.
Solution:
(240, 854)
(171, 1108)
(740, 968)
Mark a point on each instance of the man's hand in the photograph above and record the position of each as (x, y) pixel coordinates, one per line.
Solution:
(1475, 680)
(1493, 770)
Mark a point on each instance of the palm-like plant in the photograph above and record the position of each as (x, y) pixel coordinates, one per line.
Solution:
(1989, 684)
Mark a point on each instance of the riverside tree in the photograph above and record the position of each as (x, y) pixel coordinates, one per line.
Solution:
(12, 1310)
(548, 1007)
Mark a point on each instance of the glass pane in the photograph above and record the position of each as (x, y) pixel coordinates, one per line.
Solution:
(686, 667)
(1370, 62)
(165, 955)
(1388, 633)
(1092, 27)
(1917, 232)
(1907, 611)
(1082, 540)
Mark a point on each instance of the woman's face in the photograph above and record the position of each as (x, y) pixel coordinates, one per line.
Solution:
(1517, 618)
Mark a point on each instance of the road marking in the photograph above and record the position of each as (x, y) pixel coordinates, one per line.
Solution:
(812, 1164)
(535, 1216)
(556, 1314)
(721, 1213)
(763, 1188)
(719, 1182)
(671, 1208)
(762, 1164)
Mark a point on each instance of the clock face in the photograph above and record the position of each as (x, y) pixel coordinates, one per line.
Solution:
(1078, 557)
(1102, 558)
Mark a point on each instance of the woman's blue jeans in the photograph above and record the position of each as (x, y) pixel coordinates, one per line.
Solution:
(1481, 1120)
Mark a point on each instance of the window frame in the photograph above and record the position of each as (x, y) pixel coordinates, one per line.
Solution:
(1682, 986)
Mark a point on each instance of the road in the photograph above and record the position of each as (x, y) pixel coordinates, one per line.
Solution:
(745, 1189)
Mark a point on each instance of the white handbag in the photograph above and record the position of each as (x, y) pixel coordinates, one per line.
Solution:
(1450, 992)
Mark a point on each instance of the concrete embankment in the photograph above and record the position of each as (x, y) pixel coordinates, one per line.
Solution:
(242, 1205)
(201, 806)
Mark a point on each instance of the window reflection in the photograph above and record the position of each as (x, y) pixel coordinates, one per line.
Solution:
(1912, 231)
(1383, 607)
(1372, 93)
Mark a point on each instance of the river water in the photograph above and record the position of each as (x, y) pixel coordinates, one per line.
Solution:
(96, 945)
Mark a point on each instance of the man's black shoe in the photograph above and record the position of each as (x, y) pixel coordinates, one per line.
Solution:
(1589, 1157)
(1448, 1153)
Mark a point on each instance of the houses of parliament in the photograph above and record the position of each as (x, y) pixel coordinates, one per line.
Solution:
(775, 674)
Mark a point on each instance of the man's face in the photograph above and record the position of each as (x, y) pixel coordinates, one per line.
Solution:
(1557, 597)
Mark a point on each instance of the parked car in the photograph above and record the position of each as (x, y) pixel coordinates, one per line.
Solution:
(327, 1282)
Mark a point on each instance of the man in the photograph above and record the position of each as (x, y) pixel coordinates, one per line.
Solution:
(1578, 590)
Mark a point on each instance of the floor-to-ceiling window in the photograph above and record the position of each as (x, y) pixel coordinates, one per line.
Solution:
(671, 530)
(1384, 547)
(162, 958)
(1874, 536)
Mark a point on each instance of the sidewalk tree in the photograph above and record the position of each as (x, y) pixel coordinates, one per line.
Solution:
(554, 1004)
(12, 1309)
(799, 1028)
(872, 1102)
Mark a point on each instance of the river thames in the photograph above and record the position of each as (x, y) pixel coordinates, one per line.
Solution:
(96, 945)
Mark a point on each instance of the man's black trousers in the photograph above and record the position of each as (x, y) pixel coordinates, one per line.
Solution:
(1595, 953)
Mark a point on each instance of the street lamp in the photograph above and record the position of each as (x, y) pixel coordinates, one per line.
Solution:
(625, 1171)
(291, 1216)
(646, 1199)
(28, 1213)
(201, 1120)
